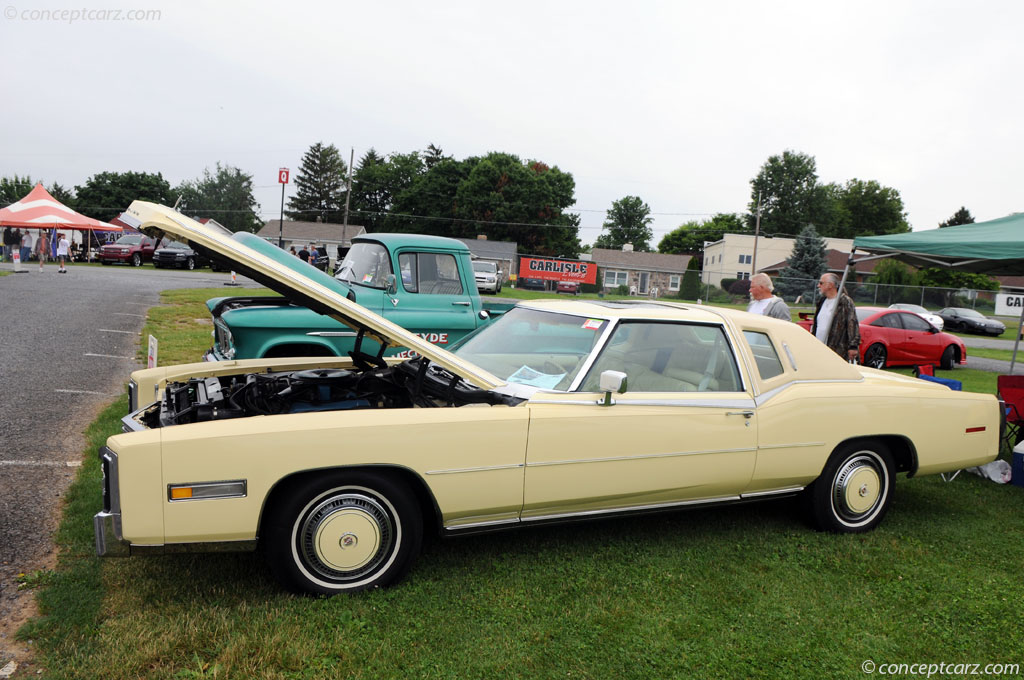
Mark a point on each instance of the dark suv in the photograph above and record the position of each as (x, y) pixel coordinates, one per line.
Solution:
(131, 249)
(178, 254)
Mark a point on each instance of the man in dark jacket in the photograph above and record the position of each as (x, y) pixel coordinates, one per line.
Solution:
(835, 319)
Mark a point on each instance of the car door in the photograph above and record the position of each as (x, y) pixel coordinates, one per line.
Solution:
(685, 431)
(435, 302)
(887, 327)
(922, 343)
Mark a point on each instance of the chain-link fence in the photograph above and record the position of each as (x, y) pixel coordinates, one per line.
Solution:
(804, 293)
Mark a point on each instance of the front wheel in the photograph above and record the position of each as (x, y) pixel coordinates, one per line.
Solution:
(948, 357)
(854, 490)
(875, 356)
(190, 263)
(136, 260)
(343, 532)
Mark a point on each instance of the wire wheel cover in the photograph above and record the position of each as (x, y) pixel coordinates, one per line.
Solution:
(346, 536)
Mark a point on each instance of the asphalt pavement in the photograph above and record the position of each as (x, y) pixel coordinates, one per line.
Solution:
(67, 345)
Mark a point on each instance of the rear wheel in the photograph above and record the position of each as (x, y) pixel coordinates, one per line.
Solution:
(854, 490)
(875, 356)
(343, 532)
(948, 357)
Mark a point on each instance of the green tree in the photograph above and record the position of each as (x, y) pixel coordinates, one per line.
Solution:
(105, 195)
(377, 183)
(868, 208)
(14, 188)
(508, 199)
(628, 221)
(690, 237)
(890, 272)
(690, 289)
(434, 155)
(805, 265)
(791, 197)
(225, 195)
(961, 216)
(319, 186)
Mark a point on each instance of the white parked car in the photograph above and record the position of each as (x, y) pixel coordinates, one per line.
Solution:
(487, 275)
(933, 319)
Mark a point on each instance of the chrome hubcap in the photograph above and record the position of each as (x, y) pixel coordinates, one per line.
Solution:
(859, 488)
(346, 536)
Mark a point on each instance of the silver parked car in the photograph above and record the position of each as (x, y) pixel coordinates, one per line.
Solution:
(487, 275)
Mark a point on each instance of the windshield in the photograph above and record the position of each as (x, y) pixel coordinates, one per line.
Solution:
(531, 347)
(863, 313)
(130, 240)
(367, 264)
(485, 267)
(177, 245)
(970, 313)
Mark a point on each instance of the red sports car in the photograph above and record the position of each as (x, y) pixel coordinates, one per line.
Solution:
(891, 337)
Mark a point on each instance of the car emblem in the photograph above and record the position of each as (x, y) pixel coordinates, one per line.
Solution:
(350, 541)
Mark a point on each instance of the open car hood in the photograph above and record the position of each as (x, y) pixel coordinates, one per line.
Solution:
(298, 281)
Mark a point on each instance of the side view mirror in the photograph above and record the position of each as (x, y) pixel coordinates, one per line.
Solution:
(391, 284)
(612, 381)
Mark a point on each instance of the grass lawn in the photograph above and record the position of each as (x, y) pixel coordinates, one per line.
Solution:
(743, 591)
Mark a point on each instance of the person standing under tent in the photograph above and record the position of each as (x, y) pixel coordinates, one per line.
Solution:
(63, 250)
(42, 249)
(26, 246)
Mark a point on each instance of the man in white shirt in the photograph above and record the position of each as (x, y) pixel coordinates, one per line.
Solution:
(762, 301)
(835, 321)
(63, 249)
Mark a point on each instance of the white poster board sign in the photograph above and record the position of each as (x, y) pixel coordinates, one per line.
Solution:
(1009, 304)
(151, 359)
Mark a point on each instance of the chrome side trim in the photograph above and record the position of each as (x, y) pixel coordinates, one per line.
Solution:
(635, 508)
(765, 447)
(245, 545)
(773, 492)
(332, 334)
(765, 396)
(107, 523)
(476, 525)
(133, 395)
(613, 459)
(747, 402)
(455, 471)
(789, 354)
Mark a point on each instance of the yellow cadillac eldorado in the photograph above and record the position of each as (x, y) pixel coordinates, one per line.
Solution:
(557, 411)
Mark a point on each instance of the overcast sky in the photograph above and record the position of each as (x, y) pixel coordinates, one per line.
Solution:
(679, 103)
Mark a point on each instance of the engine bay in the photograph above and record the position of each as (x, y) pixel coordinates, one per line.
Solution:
(412, 384)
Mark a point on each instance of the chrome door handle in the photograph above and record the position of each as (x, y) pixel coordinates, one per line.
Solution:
(745, 414)
(460, 304)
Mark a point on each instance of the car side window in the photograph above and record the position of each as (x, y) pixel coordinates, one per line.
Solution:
(912, 322)
(765, 357)
(668, 357)
(888, 321)
(430, 273)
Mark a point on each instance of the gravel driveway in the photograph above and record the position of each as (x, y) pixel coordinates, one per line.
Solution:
(68, 344)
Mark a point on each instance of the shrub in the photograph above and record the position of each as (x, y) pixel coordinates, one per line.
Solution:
(622, 289)
(741, 288)
(726, 283)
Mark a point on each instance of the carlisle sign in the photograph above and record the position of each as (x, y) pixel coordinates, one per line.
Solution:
(1008, 304)
(557, 270)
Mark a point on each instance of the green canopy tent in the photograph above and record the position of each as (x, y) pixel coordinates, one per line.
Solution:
(994, 247)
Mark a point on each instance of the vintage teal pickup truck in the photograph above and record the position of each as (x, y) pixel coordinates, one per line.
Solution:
(423, 283)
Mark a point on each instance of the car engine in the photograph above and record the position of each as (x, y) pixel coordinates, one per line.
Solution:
(414, 383)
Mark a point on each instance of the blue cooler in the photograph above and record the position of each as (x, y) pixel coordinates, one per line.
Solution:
(1017, 466)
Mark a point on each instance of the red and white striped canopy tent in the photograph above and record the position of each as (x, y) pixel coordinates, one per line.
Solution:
(40, 210)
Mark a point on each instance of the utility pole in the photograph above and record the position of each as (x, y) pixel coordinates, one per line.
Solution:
(757, 230)
(282, 177)
(348, 189)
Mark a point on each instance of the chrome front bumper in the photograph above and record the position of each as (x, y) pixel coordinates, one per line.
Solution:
(107, 523)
